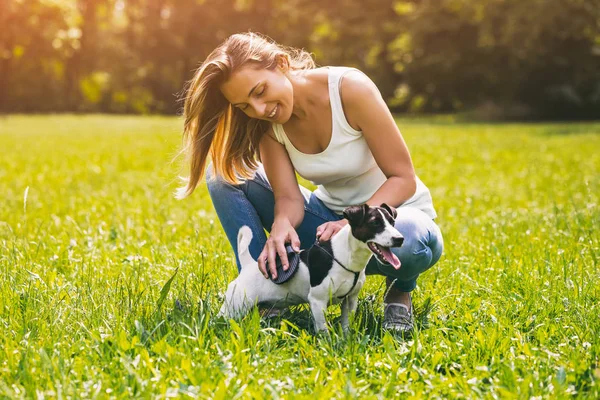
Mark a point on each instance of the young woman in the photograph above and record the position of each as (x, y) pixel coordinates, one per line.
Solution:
(253, 99)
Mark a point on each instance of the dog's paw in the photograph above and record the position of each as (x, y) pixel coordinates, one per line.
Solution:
(323, 334)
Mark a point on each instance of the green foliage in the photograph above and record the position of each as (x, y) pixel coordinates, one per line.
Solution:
(526, 58)
(109, 286)
(93, 86)
(540, 55)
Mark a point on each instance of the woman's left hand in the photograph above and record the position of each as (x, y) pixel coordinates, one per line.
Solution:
(328, 229)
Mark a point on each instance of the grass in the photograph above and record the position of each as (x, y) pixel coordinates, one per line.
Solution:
(109, 286)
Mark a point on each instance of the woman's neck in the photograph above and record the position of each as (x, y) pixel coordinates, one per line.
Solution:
(308, 91)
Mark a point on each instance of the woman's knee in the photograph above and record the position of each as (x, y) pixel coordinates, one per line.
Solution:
(421, 249)
(423, 242)
(415, 257)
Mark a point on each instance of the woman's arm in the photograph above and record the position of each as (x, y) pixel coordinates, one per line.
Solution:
(366, 111)
(289, 203)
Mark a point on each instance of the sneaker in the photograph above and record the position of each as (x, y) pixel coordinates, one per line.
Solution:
(398, 319)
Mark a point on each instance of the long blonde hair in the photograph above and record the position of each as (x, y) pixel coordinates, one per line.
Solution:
(212, 125)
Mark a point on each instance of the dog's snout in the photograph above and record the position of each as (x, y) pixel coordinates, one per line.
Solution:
(398, 241)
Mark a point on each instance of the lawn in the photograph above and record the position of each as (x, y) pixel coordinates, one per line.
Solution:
(109, 286)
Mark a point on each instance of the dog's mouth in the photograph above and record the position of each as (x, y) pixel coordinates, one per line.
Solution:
(384, 255)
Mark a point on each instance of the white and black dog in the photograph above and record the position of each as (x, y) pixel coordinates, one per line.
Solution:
(328, 273)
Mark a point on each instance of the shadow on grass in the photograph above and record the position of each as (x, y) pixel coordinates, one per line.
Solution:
(368, 318)
(185, 317)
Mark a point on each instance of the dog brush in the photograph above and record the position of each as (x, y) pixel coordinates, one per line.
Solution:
(284, 276)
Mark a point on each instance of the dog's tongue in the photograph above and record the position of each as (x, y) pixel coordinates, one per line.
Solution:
(390, 257)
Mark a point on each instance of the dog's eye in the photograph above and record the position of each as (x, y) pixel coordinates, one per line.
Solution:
(375, 222)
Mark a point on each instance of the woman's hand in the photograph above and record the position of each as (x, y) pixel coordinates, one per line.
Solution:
(328, 229)
(282, 232)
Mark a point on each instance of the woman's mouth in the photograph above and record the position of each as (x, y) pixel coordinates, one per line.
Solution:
(274, 112)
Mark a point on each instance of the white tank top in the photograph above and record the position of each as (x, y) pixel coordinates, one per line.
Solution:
(345, 173)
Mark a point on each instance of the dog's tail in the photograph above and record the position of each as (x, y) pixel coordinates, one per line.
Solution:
(243, 246)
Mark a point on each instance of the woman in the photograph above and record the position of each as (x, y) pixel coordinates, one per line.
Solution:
(253, 98)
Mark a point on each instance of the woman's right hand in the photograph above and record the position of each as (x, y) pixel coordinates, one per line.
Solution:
(282, 232)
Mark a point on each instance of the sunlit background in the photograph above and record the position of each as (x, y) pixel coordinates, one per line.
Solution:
(490, 58)
(109, 286)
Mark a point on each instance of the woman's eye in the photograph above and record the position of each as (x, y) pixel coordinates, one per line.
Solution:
(257, 94)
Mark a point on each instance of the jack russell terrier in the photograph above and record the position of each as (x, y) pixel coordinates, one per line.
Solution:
(331, 272)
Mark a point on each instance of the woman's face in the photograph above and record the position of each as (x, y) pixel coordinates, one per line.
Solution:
(260, 93)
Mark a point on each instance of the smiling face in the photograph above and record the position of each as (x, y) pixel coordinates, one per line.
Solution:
(375, 227)
(261, 93)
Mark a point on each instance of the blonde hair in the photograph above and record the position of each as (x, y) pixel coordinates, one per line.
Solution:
(212, 125)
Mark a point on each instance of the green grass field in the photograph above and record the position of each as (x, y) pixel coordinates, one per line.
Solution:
(109, 286)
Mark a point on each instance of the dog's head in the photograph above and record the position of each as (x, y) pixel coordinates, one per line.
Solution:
(375, 227)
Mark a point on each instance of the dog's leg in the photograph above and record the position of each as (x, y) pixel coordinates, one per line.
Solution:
(243, 293)
(249, 289)
(318, 306)
(237, 301)
(344, 318)
(348, 307)
(352, 303)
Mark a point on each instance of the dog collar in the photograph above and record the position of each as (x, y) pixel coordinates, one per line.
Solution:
(356, 274)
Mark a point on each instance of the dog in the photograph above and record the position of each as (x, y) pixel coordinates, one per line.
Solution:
(331, 272)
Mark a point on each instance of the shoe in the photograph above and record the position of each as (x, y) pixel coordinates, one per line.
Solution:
(398, 319)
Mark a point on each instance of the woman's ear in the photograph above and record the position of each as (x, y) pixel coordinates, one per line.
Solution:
(283, 62)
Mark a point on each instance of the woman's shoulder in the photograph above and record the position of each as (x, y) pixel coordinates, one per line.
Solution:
(356, 91)
(328, 73)
(316, 75)
(351, 80)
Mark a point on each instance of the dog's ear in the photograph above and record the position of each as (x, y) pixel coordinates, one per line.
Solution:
(389, 209)
(356, 214)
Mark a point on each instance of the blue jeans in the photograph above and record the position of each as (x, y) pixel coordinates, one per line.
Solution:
(252, 203)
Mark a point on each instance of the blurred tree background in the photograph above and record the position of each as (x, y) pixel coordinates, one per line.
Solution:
(509, 58)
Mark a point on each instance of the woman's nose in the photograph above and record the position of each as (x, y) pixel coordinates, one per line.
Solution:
(260, 108)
